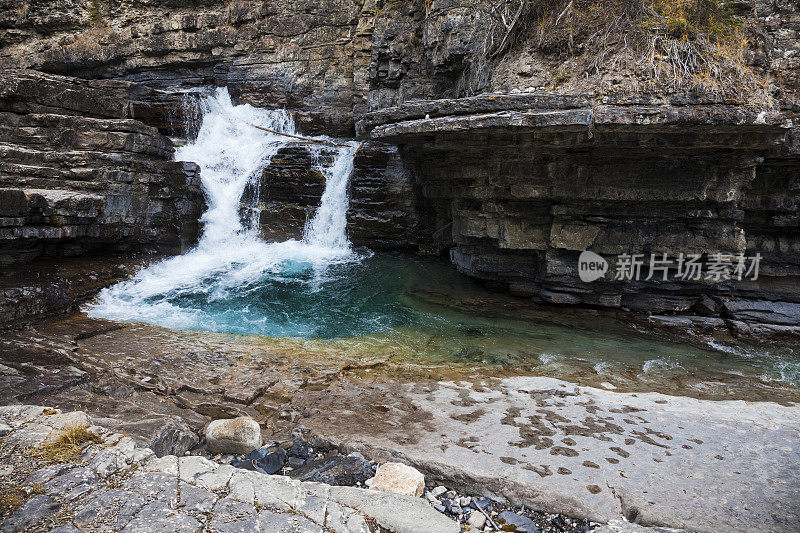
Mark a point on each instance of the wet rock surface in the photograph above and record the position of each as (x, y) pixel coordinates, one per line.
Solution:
(383, 212)
(577, 451)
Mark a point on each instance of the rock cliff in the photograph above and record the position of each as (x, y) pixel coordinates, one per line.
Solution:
(619, 130)
(79, 176)
(522, 184)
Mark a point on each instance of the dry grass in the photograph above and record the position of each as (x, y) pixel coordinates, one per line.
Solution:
(66, 447)
(676, 44)
(13, 498)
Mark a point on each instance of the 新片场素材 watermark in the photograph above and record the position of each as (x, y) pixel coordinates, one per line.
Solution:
(715, 267)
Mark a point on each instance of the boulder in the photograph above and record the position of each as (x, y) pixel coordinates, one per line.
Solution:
(399, 478)
(175, 438)
(234, 435)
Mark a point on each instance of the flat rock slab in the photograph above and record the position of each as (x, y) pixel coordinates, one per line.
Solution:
(657, 460)
(119, 486)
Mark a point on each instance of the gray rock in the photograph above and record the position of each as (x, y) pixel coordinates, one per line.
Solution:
(522, 523)
(438, 491)
(32, 511)
(623, 526)
(175, 438)
(264, 460)
(272, 522)
(235, 435)
(153, 484)
(195, 499)
(46, 473)
(335, 469)
(108, 509)
(74, 484)
(476, 520)
(232, 516)
(159, 516)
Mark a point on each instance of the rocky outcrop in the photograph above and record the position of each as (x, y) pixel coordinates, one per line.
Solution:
(111, 483)
(331, 61)
(80, 176)
(522, 184)
(384, 202)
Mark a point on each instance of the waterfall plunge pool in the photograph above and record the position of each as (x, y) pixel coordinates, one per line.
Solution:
(369, 305)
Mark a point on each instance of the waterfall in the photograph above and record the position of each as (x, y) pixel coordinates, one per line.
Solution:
(231, 258)
(328, 227)
(231, 152)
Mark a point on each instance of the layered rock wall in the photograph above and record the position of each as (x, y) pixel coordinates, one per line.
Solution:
(384, 203)
(521, 185)
(78, 175)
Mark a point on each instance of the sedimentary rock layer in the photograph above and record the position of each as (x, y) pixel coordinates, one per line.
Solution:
(330, 61)
(522, 184)
(384, 203)
(78, 175)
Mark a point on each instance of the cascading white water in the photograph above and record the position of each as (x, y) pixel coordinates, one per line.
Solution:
(328, 227)
(230, 257)
(230, 152)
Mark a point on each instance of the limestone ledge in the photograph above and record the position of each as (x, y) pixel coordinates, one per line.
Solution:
(537, 110)
(120, 486)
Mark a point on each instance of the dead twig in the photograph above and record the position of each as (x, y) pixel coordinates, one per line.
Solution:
(309, 139)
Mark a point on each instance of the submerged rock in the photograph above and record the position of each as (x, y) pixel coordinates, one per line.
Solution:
(399, 478)
(236, 435)
(521, 523)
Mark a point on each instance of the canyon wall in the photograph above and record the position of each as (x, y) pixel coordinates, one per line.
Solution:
(522, 184)
(79, 176)
(549, 160)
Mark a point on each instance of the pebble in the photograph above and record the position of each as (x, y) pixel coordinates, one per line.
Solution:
(438, 491)
(477, 520)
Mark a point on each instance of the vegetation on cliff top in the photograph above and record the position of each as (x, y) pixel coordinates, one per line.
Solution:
(672, 44)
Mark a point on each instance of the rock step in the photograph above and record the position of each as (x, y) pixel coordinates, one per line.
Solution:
(121, 486)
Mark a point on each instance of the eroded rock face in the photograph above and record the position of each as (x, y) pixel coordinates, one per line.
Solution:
(325, 60)
(385, 203)
(520, 185)
(79, 175)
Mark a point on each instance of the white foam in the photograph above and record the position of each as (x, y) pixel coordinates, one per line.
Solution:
(231, 153)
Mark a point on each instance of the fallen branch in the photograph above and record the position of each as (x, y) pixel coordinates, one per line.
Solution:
(309, 139)
(359, 148)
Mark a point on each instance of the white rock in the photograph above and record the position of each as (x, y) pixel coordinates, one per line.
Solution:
(399, 478)
(235, 435)
(74, 419)
(438, 491)
(476, 520)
